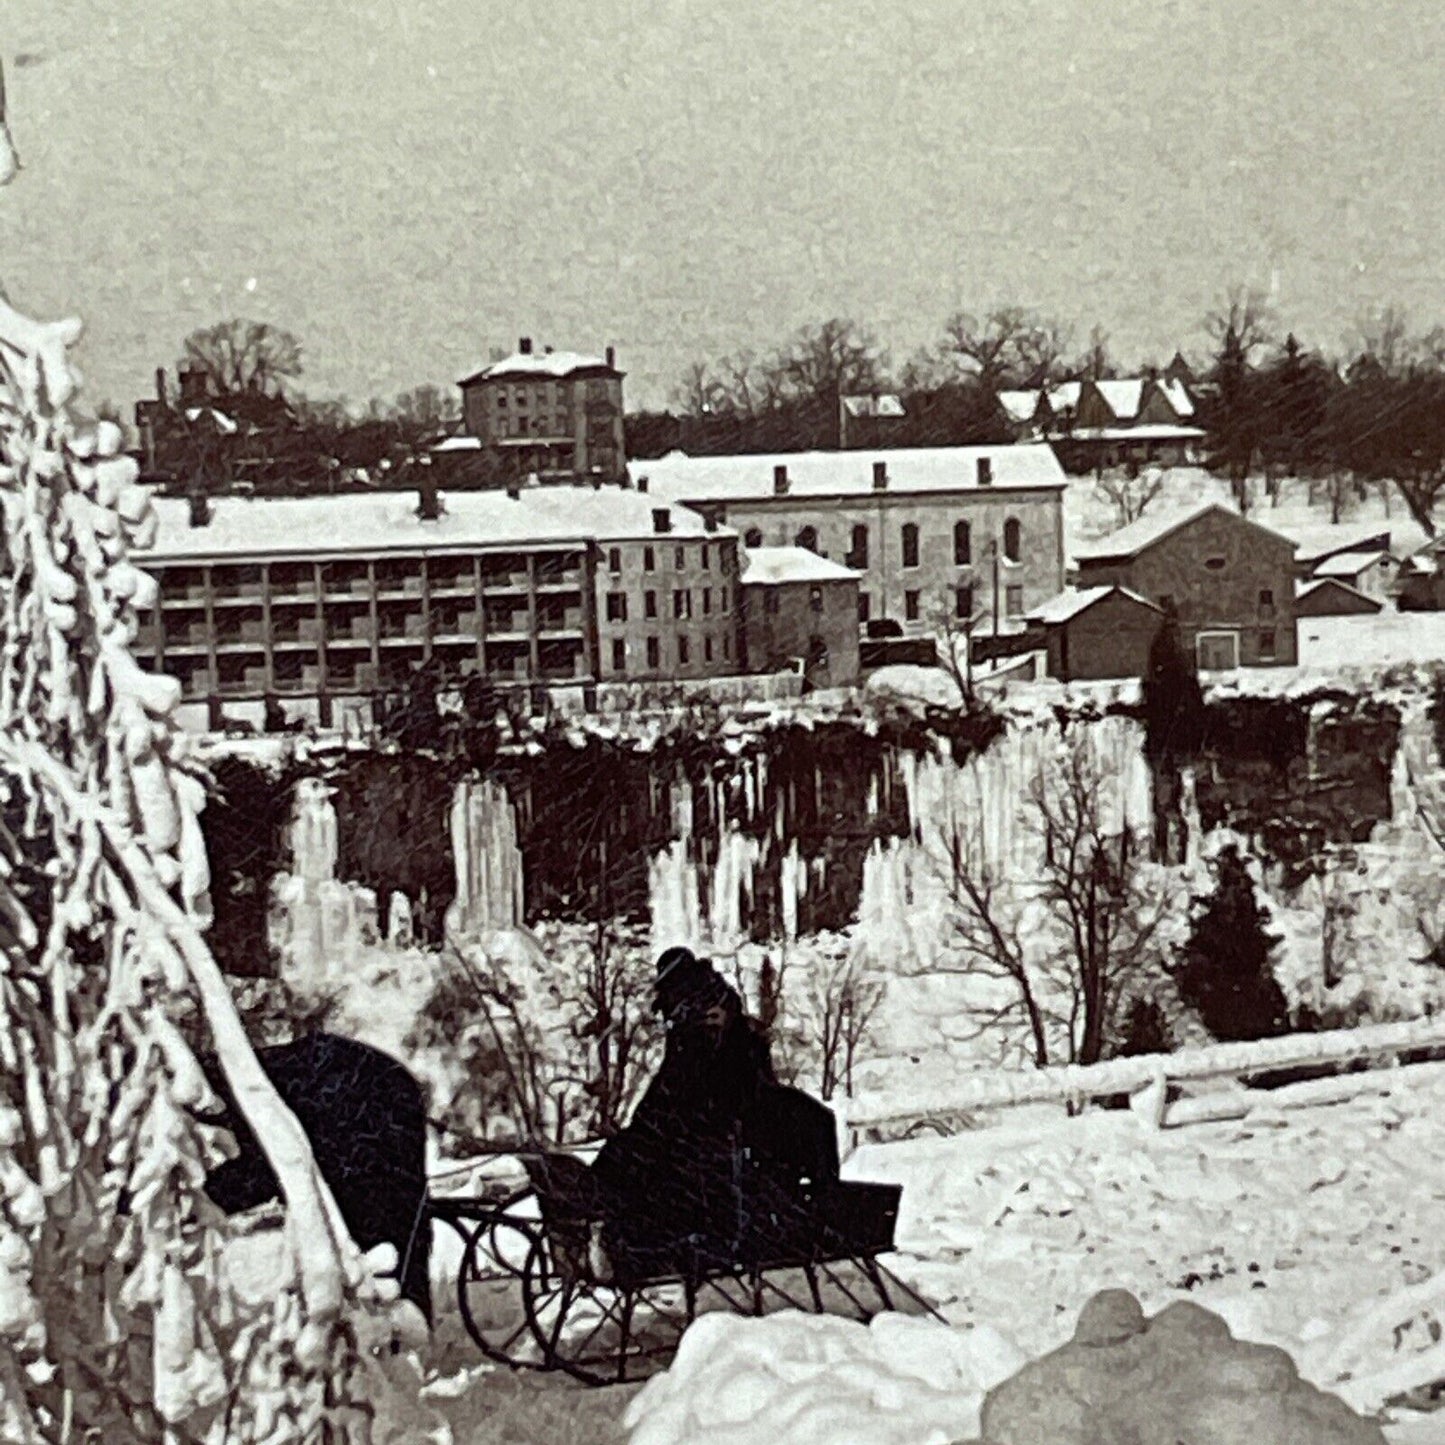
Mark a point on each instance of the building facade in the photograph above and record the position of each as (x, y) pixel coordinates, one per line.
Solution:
(935, 534)
(1096, 633)
(799, 607)
(553, 414)
(320, 601)
(1230, 582)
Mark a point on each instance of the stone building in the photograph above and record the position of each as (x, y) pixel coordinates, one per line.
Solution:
(798, 607)
(934, 532)
(320, 602)
(1097, 632)
(1230, 581)
(552, 414)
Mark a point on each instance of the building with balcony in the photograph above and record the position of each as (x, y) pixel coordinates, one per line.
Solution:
(549, 414)
(933, 532)
(324, 601)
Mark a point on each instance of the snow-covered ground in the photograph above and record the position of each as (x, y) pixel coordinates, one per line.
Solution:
(1286, 1224)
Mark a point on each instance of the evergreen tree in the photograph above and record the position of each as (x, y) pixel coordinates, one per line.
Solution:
(1224, 972)
(1173, 699)
(1145, 1031)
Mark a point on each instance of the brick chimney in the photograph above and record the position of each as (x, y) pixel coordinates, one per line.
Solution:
(880, 476)
(429, 502)
(514, 491)
(161, 385)
(611, 355)
(200, 508)
(985, 471)
(661, 519)
(780, 481)
(642, 484)
(525, 345)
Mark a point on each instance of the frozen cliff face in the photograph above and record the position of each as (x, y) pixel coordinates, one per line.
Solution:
(489, 893)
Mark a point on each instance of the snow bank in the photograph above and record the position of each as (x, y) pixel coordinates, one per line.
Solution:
(796, 1379)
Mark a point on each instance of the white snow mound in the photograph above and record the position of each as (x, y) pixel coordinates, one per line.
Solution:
(796, 1379)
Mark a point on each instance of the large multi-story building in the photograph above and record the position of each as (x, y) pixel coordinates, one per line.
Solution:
(544, 413)
(937, 533)
(321, 600)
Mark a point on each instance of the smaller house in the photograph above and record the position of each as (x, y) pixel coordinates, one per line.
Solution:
(1420, 586)
(800, 607)
(1332, 597)
(1372, 572)
(871, 421)
(1097, 632)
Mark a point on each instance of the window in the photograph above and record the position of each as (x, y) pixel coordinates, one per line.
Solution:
(706, 601)
(807, 537)
(649, 604)
(963, 603)
(753, 537)
(707, 649)
(770, 600)
(1266, 644)
(1266, 602)
(682, 603)
(815, 598)
(619, 655)
(654, 654)
(865, 607)
(682, 650)
(679, 558)
(722, 599)
(614, 559)
(706, 557)
(1215, 564)
(1014, 601)
(649, 560)
(910, 544)
(727, 645)
(501, 401)
(1013, 539)
(962, 544)
(910, 606)
(617, 607)
(858, 553)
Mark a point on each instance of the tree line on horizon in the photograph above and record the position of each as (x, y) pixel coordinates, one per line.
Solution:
(1371, 413)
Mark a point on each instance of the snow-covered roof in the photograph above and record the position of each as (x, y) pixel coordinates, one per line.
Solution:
(222, 422)
(458, 444)
(1319, 584)
(1152, 431)
(885, 406)
(1177, 394)
(1020, 405)
(771, 566)
(388, 522)
(1123, 395)
(1065, 396)
(1131, 540)
(834, 474)
(1351, 564)
(1070, 604)
(539, 363)
(1319, 540)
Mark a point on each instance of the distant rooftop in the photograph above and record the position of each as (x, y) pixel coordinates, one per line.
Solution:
(387, 522)
(831, 474)
(1131, 540)
(1068, 605)
(1349, 564)
(770, 566)
(887, 405)
(543, 363)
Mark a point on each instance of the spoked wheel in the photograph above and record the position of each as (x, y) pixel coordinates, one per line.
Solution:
(489, 1289)
(602, 1334)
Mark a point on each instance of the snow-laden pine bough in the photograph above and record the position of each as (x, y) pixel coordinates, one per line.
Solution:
(119, 1319)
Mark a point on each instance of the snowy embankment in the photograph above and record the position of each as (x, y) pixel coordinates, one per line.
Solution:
(1289, 1225)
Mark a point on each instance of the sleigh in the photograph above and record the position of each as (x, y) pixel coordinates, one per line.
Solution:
(550, 1281)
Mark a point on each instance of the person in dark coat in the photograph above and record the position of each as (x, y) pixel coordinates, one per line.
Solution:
(365, 1117)
(713, 1133)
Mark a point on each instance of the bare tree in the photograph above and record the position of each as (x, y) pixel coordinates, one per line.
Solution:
(1383, 336)
(955, 633)
(1069, 944)
(697, 394)
(1129, 492)
(240, 356)
(842, 1001)
(1009, 346)
(834, 359)
(1243, 314)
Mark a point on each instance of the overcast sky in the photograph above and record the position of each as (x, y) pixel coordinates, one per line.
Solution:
(407, 183)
